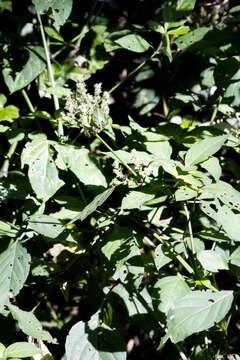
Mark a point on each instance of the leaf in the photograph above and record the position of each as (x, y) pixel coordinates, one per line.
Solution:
(42, 173)
(59, 91)
(185, 5)
(21, 350)
(235, 257)
(31, 69)
(185, 193)
(7, 230)
(46, 225)
(135, 200)
(212, 261)
(6, 4)
(203, 149)
(160, 257)
(90, 341)
(60, 10)
(53, 33)
(168, 290)
(134, 43)
(29, 324)
(82, 163)
(9, 113)
(213, 167)
(3, 100)
(14, 269)
(188, 40)
(197, 311)
(93, 205)
(179, 31)
(230, 222)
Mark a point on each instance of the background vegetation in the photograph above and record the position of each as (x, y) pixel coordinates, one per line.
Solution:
(119, 187)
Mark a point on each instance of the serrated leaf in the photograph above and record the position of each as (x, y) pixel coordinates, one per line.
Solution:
(89, 341)
(31, 69)
(93, 205)
(82, 163)
(230, 222)
(203, 149)
(29, 324)
(42, 172)
(60, 10)
(21, 350)
(197, 311)
(14, 269)
(212, 261)
(135, 200)
(133, 42)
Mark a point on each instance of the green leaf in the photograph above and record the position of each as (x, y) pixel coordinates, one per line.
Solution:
(14, 269)
(90, 341)
(179, 31)
(161, 257)
(6, 4)
(53, 33)
(185, 193)
(230, 222)
(46, 225)
(21, 350)
(9, 113)
(82, 163)
(212, 261)
(203, 149)
(235, 257)
(31, 69)
(185, 5)
(213, 167)
(60, 10)
(3, 100)
(134, 43)
(7, 229)
(42, 172)
(29, 324)
(188, 40)
(135, 200)
(168, 290)
(59, 91)
(93, 205)
(197, 311)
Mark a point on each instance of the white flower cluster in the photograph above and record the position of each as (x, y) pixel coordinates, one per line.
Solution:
(86, 111)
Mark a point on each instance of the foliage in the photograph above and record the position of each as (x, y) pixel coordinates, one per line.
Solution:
(119, 179)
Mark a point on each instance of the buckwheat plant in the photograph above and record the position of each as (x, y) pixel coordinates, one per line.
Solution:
(86, 111)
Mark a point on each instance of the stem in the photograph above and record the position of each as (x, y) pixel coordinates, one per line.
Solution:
(28, 101)
(5, 166)
(136, 69)
(119, 159)
(50, 72)
(215, 111)
(189, 227)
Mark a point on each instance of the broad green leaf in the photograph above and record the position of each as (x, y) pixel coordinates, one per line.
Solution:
(185, 5)
(179, 31)
(135, 200)
(235, 257)
(9, 113)
(7, 230)
(116, 240)
(42, 172)
(161, 257)
(82, 163)
(6, 4)
(29, 324)
(213, 167)
(3, 100)
(203, 149)
(160, 150)
(168, 290)
(134, 43)
(21, 350)
(230, 222)
(185, 193)
(59, 91)
(188, 40)
(46, 225)
(90, 341)
(93, 205)
(212, 260)
(197, 311)
(53, 33)
(60, 10)
(224, 192)
(14, 269)
(31, 69)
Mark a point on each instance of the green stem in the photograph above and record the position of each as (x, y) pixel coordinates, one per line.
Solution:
(113, 152)
(5, 166)
(50, 72)
(215, 111)
(28, 101)
(136, 69)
